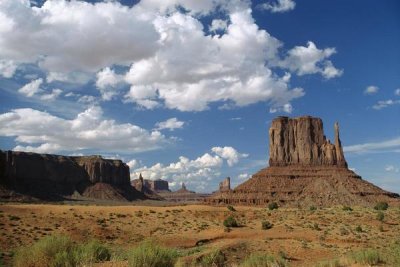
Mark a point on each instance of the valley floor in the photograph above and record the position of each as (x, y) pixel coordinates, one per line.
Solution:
(304, 237)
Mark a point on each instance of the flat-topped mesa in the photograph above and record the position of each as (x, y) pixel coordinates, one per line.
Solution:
(49, 176)
(102, 170)
(301, 141)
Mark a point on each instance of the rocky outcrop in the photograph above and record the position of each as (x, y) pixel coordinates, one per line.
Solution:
(156, 186)
(138, 184)
(305, 169)
(107, 171)
(225, 185)
(301, 141)
(183, 195)
(53, 176)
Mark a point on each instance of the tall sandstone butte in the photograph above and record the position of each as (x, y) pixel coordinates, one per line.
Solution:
(301, 141)
(305, 169)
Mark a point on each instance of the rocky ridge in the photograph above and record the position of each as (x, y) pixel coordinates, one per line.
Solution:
(52, 177)
(305, 169)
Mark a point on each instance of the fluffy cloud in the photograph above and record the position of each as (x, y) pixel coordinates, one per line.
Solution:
(51, 96)
(170, 124)
(197, 173)
(278, 6)
(31, 88)
(193, 69)
(107, 81)
(385, 103)
(174, 61)
(370, 90)
(42, 132)
(286, 108)
(7, 67)
(387, 145)
(74, 35)
(310, 60)
(231, 155)
(218, 25)
(397, 92)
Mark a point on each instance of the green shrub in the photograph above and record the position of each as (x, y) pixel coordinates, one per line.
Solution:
(93, 251)
(380, 216)
(263, 260)
(230, 222)
(347, 208)
(150, 254)
(49, 251)
(60, 251)
(265, 225)
(313, 208)
(231, 208)
(215, 259)
(273, 206)
(368, 256)
(359, 229)
(381, 206)
(392, 256)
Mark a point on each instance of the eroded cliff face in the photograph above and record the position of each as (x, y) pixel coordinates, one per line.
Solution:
(48, 175)
(301, 141)
(106, 171)
(225, 185)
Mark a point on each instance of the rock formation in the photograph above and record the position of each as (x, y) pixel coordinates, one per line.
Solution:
(183, 195)
(225, 185)
(301, 141)
(53, 176)
(156, 186)
(305, 169)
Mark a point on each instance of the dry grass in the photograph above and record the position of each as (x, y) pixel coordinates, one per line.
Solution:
(308, 237)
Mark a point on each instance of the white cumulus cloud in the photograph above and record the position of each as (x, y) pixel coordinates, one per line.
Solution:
(397, 91)
(31, 88)
(7, 67)
(370, 90)
(278, 6)
(39, 131)
(310, 60)
(170, 124)
(74, 35)
(173, 60)
(197, 173)
(229, 153)
(107, 81)
(51, 96)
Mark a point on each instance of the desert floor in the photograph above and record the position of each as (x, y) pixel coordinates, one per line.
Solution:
(305, 236)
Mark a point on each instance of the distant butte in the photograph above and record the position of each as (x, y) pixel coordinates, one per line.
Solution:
(305, 169)
(29, 176)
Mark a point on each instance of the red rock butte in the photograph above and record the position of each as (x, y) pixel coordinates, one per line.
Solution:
(305, 169)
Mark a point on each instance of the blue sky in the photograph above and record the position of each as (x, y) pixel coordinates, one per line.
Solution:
(186, 90)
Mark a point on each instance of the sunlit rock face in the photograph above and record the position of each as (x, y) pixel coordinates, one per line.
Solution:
(301, 141)
(305, 169)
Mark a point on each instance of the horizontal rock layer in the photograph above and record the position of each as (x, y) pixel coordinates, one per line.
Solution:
(46, 175)
(304, 186)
